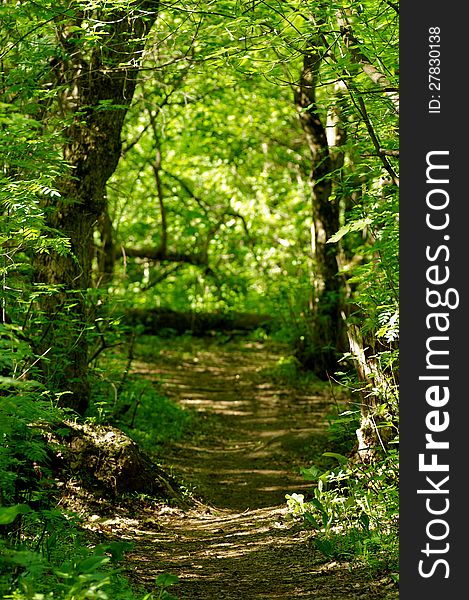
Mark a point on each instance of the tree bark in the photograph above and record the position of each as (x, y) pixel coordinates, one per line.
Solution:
(327, 325)
(97, 83)
(374, 432)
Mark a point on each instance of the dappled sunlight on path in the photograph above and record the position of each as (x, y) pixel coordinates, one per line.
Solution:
(258, 434)
(238, 542)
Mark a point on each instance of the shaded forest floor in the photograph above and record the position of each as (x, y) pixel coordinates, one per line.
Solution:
(252, 434)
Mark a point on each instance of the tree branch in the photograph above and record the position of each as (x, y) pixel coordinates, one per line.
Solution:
(353, 46)
(393, 153)
(157, 255)
(162, 276)
(188, 190)
(156, 167)
(375, 140)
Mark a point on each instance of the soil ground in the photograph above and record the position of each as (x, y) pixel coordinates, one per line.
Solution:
(238, 542)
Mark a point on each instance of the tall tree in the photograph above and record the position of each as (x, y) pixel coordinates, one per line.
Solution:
(362, 51)
(325, 340)
(98, 53)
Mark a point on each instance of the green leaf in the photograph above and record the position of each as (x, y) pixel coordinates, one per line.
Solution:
(340, 457)
(92, 563)
(8, 514)
(166, 579)
(310, 518)
(355, 226)
(167, 596)
(365, 520)
(115, 549)
(311, 474)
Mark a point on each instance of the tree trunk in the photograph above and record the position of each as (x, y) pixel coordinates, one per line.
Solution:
(97, 84)
(326, 320)
(374, 432)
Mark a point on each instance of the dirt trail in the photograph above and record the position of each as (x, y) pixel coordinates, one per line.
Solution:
(239, 544)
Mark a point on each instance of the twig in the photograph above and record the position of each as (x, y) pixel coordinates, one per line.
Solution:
(130, 358)
(35, 362)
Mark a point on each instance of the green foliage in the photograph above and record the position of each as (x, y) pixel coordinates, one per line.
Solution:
(354, 507)
(137, 405)
(146, 414)
(28, 168)
(342, 423)
(163, 582)
(354, 511)
(232, 194)
(289, 371)
(33, 534)
(87, 573)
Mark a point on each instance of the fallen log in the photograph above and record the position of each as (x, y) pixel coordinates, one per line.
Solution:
(158, 320)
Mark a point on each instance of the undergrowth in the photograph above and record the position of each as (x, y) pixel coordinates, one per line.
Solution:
(288, 371)
(135, 402)
(353, 508)
(45, 554)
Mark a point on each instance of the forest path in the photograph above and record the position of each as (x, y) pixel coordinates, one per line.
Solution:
(238, 544)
